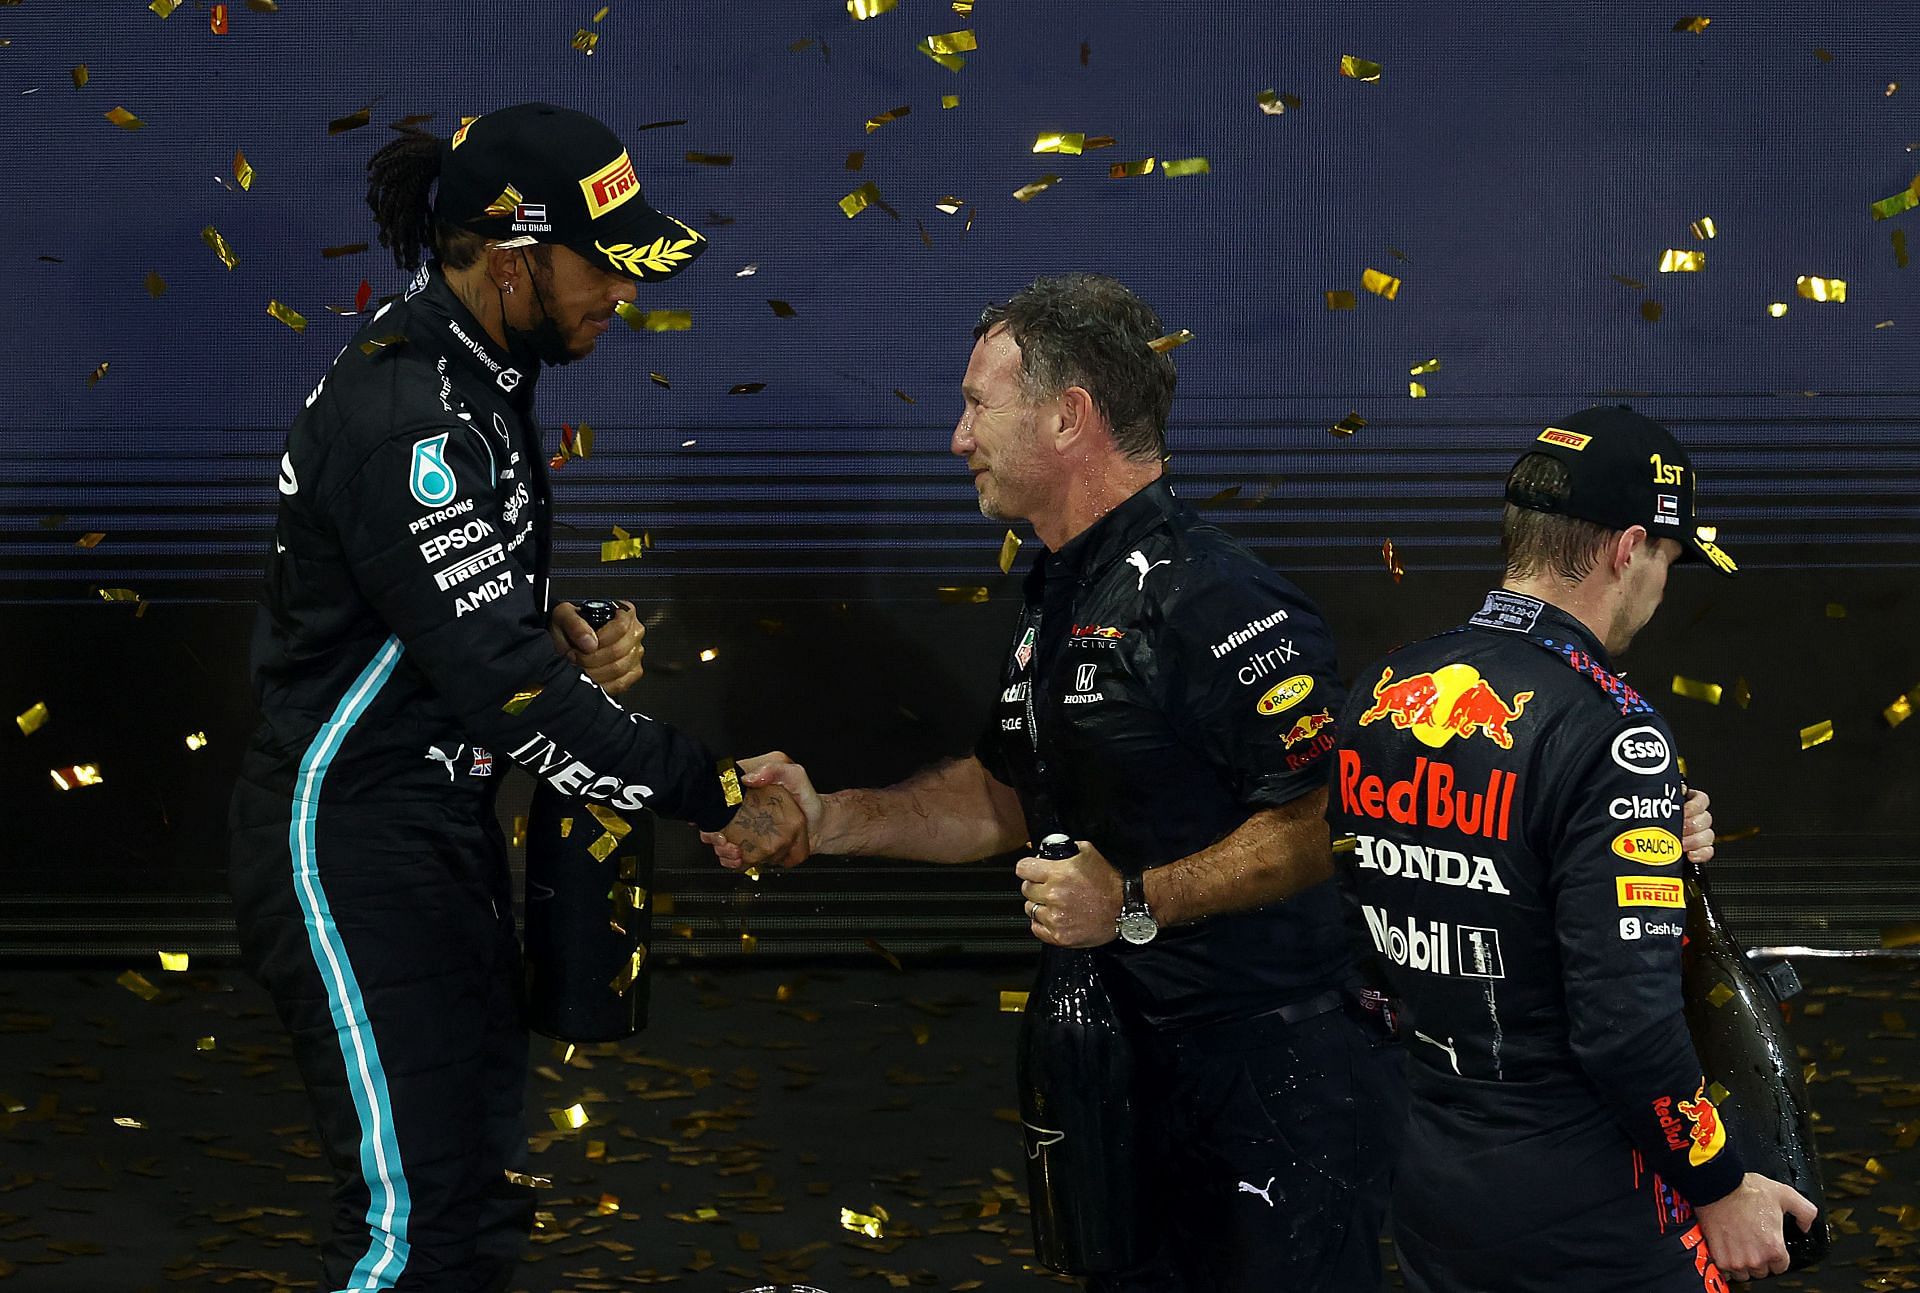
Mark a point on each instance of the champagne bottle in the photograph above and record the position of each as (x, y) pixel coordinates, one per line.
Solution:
(1076, 1101)
(588, 909)
(1734, 1015)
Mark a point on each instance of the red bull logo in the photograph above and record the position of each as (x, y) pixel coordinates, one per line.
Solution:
(1307, 727)
(1429, 798)
(1708, 1133)
(1453, 700)
(1100, 631)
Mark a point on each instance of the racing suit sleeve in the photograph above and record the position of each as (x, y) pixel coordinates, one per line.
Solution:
(470, 621)
(1619, 911)
(1250, 680)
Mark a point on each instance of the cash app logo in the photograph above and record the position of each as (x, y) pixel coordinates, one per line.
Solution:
(430, 478)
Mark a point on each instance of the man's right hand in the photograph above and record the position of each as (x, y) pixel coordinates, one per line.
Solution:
(1745, 1233)
(778, 771)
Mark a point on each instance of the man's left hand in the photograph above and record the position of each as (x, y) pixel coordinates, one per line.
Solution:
(1696, 828)
(613, 657)
(1072, 902)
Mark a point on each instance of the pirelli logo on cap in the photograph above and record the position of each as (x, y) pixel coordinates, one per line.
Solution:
(1565, 439)
(1635, 892)
(609, 186)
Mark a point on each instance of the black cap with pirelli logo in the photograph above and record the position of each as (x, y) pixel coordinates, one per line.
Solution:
(536, 173)
(1623, 470)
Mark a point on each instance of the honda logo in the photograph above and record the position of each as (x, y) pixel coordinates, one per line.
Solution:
(1084, 678)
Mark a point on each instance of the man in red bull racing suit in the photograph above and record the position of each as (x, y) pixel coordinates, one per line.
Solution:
(1516, 812)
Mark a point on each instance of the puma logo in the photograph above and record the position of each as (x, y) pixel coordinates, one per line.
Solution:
(444, 759)
(1453, 1055)
(1248, 1187)
(1039, 1138)
(1138, 560)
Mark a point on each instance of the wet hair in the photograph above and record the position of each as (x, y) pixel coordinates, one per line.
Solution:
(400, 181)
(1089, 330)
(1538, 543)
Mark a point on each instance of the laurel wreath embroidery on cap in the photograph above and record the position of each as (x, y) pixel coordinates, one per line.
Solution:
(660, 256)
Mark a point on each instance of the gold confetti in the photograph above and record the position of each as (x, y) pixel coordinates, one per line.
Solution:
(571, 1118)
(118, 595)
(352, 121)
(1742, 693)
(1178, 337)
(664, 320)
(80, 76)
(861, 1223)
(1027, 192)
(747, 388)
(138, 984)
(860, 199)
(196, 740)
(586, 41)
(1836, 611)
(1009, 549)
(93, 378)
(949, 101)
(264, 6)
(1390, 561)
(1186, 166)
(1416, 391)
(1905, 200)
(35, 716)
(1906, 934)
(603, 847)
(891, 114)
(519, 838)
(131, 1124)
(344, 249)
(709, 655)
(504, 205)
(175, 962)
(1633, 283)
(1824, 55)
(1274, 103)
(1777, 309)
(211, 237)
(1651, 311)
(952, 62)
(1819, 734)
(242, 170)
(1674, 261)
(374, 345)
(1012, 1003)
(952, 42)
(950, 204)
(1422, 369)
(1341, 300)
(91, 539)
(861, 10)
(76, 776)
(156, 286)
(205, 1043)
(1704, 228)
(659, 380)
(1900, 710)
(748, 942)
(604, 11)
(1720, 995)
(164, 8)
(1130, 170)
(1717, 1093)
(124, 119)
(521, 699)
(1380, 284)
(1821, 289)
(1348, 424)
(1100, 141)
(622, 546)
(288, 315)
(1071, 145)
(1693, 24)
(962, 596)
(1900, 248)
(1359, 69)
(710, 159)
(1695, 690)
(782, 309)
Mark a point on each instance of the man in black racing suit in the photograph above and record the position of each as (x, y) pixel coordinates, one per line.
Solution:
(1516, 812)
(403, 656)
(1167, 700)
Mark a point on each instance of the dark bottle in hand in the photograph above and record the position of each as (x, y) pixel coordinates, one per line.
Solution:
(1076, 1100)
(1733, 1012)
(588, 909)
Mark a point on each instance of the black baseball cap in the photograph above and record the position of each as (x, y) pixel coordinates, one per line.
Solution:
(536, 173)
(1624, 469)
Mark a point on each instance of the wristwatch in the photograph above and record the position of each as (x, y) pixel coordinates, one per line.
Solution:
(1136, 923)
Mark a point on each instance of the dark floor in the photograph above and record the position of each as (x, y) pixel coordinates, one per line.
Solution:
(723, 1146)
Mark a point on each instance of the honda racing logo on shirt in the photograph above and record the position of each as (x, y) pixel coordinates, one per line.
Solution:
(1083, 679)
(1435, 947)
(1435, 866)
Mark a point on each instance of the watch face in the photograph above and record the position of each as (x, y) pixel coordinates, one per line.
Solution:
(1137, 927)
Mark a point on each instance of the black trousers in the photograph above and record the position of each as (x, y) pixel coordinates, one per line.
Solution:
(1273, 1147)
(386, 939)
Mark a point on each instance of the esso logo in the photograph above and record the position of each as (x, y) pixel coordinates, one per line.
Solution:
(1643, 750)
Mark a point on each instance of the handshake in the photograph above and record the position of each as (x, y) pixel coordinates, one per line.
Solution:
(779, 822)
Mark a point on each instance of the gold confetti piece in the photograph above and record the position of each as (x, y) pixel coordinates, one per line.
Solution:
(1742, 693)
(521, 699)
(1905, 200)
(585, 41)
(1416, 391)
(1704, 228)
(205, 1043)
(1359, 69)
(1717, 1093)
(91, 539)
(1186, 166)
(1390, 561)
(288, 315)
(344, 249)
(891, 114)
(1674, 261)
(623, 547)
(861, 10)
(1071, 145)
(1821, 289)
(138, 984)
(861, 1223)
(80, 77)
(1693, 24)
(124, 119)
(1651, 311)
(242, 170)
(211, 237)
(952, 62)
(352, 121)
(1380, 284)
(519, 838)
(35, 717)
(782, 309)
(613, 823)
(604, 11)
(164, 8)
(953, 42)
(1777, 309)
(264, 6)
(856, 161)
(156, 286)
(748, 942)
(949, 101)
(1633, 283)
(1824, 55)
(950, 204)
(93, 378)
(76, 776)
(709, 655)
(132, 1124)
(374, 345)
(710, 159)
(1877, 1168)
(174, 962)
(1694, 690)
(962, 596)
(747, 388)
(665, 320)
(1819, 734)
(504, 205)
(608, 1205)
(1178, 337)
(1900, 248)
(1012, 1003)
(118, 595)
(1720, 995)
(1899, 711)
(1274, 103)
(1027, 192)
(1836, 611)
(903, 396)
(1906, 934)
(1100, 141)
(1009, 548)
(1130, 170)
(603, 847)
(1348, 424)
(1341, 300)
(572, 1118)
(860, 199)
(196, 740)
(1420, 370)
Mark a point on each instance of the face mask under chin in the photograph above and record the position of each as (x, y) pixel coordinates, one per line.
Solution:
(544, 341)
